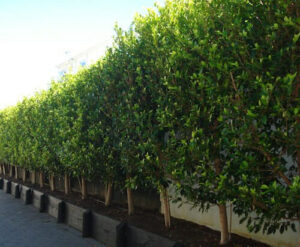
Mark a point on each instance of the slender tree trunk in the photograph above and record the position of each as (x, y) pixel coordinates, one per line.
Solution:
(10, 171)
(108, 194)
(16, 172)
(41, 179)
(52, 182)
(67, 184)
(164, 193)
(32, 177)
(4, 170)
(83, 189)
(222, 211)
(230, 221)
(166, 204)
(130, 202)
(24, 174)
(224, 224)
(1, 169)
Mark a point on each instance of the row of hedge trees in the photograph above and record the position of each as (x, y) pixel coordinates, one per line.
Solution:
(200, 94)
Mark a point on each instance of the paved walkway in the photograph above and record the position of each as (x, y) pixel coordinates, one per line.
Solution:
(23, 226)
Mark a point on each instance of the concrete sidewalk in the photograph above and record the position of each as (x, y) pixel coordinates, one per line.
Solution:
(23, 226)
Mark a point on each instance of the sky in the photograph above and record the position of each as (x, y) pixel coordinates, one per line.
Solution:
(36, 36)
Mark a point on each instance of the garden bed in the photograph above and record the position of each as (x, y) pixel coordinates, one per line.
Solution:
(181, 231)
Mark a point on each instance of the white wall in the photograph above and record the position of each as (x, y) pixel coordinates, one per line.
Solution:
(211, 220)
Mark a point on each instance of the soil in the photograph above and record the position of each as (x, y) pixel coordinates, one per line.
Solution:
(181, 231)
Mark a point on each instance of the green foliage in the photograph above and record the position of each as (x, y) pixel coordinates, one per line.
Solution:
(201, 94)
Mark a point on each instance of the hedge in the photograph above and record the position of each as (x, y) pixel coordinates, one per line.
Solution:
(200, 94)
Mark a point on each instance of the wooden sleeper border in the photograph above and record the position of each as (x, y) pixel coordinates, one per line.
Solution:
(26, 194)
(110, 232)
(138, 237)
(39, 200)
(56, 208)
(77, 218)
(15, 190)
(7, 186)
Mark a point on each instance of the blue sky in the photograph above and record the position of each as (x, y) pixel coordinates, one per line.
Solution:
(35, 35)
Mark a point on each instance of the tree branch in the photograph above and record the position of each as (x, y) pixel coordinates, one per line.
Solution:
(280, 173)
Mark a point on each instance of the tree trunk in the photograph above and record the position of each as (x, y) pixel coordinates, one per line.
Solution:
(67, 184)
(32, 177)
(52, 182)
(83, 189)
(24, 174)
(11, 171)
(4, 171)
(166, 204)
(41, 179)
(130, 202)
(222, 211)
(16, 172)
(224, 224)
(108, 194)
(230, 221)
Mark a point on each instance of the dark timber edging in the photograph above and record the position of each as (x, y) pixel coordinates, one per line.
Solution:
(26, 194)
(78, 218)
(121, 237)
(56, 208)
(39, 200)
(15, 190)
(110, 232)
(7, 186)
(87, 224)
(106, 230)
(136, 237)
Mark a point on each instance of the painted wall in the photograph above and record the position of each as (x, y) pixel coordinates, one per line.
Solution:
(211, 220)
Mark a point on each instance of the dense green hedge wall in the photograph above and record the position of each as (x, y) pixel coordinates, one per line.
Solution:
(200, 94)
